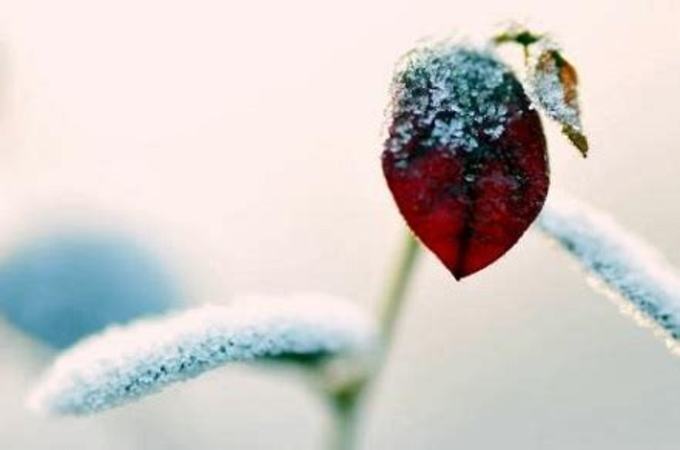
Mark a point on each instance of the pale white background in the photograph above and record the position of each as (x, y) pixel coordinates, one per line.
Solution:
(242, 140)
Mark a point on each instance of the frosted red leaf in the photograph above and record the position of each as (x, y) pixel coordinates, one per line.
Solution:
(465, 158)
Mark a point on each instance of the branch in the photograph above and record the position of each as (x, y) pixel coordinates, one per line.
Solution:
(126, 363)
(623, 266)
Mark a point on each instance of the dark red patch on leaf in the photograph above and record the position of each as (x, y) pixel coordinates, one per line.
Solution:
(471, 206)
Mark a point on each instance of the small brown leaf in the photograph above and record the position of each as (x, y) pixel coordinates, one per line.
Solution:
(553, 83)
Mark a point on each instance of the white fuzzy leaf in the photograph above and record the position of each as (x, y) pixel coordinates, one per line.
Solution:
(125, 363)
(625, 267)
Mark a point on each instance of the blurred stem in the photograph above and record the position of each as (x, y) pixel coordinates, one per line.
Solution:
(347, 399)
(344, 426)
(396, 288)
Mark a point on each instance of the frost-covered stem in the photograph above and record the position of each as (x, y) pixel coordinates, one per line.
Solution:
(347, 400)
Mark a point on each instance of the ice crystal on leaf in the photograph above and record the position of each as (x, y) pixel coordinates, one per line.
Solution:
(453, 93)
(628, 269)
(123, 364)
(552, 80)
(553, 85)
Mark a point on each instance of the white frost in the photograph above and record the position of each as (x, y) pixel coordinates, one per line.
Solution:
(628, 269)
(451, 94)
(547, 89)
(123, 364)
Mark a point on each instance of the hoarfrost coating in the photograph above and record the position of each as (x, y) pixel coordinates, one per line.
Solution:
(125, 363)
(629, 270)
(456, 95)
(555, 95)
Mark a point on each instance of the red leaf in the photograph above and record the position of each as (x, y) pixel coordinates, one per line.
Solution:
(466, 157)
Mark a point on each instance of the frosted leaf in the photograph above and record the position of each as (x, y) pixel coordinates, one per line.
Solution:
(65, 285)
(553, 85)
(465, 156)
(552, 80)
(124, 364)
(626, 268)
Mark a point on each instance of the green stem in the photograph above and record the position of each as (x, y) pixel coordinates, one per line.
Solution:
(346, 401)
(396, 289)
(345, 411)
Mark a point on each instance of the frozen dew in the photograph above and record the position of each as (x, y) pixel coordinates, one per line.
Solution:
(552, 85)
(126, 363)
(622, 265)
(549, 90)
(449, 96)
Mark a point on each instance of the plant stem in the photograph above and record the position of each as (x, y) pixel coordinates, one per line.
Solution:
(344, 408)
(346, 401)
(393, 298)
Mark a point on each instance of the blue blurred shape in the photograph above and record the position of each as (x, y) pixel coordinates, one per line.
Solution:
(64, 286)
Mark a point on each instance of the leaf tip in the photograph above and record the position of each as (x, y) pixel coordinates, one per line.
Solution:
(577, 138)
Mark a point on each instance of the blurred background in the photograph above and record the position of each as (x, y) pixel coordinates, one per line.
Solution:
(223, 148)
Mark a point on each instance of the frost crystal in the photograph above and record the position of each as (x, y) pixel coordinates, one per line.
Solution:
(446, 95)
(125, 363)
(549, 90)
(553, 86)
(629, 270)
